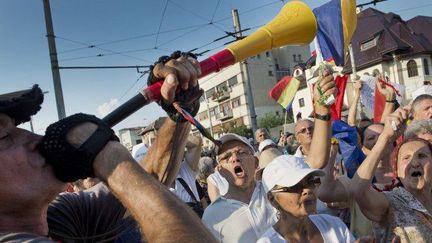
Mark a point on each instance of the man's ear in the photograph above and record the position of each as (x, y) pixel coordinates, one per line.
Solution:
(256, 162)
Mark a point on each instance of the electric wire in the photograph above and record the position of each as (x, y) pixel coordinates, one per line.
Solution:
(160, 24)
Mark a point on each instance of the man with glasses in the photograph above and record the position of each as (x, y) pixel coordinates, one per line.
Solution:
(243, 214)
(303, 131)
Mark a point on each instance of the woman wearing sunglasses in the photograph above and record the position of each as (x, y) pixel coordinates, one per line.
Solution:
(291, 188)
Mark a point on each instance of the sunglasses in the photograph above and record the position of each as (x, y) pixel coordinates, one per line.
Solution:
(303, 130)
(313, 182)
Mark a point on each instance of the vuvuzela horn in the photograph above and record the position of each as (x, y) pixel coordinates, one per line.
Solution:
(294, 25)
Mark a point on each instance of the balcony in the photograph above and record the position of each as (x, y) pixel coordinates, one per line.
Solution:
(220, 96)
(225, 115)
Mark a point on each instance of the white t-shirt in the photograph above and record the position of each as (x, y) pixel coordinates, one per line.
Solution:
(188, 176)
(232, 221)
(332, 230)
(219, 181)
(138, 151)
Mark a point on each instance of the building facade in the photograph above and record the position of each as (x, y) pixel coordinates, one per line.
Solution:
(225, 103)
(401, 50)
(130, 136)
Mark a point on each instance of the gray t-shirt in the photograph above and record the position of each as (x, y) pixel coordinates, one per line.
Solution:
(93, 215)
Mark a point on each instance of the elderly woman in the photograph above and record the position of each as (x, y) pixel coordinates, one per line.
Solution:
(404, 212)
(291, 189)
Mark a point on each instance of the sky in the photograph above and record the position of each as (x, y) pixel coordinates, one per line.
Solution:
(121, 33)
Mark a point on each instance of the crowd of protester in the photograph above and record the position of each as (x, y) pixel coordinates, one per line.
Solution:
(79, 184)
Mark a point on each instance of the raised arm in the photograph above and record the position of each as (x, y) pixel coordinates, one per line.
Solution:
(390, 95)
(193, 151)
(159, 213)
(353, 108)
(374, 204)
(320, 145)
(164, 157)
(331, 189)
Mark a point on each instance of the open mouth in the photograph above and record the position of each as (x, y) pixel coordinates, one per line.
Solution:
(416, 174)
(238, 170)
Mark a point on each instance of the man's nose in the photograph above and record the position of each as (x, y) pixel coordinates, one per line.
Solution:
(234, 158)
(415, 162)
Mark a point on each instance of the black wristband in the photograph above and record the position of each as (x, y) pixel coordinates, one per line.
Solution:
(68, 162)
(326, 117)
(188, 100)
(391, 101)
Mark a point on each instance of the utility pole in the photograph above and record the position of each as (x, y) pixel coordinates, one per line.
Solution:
(245, 72)
(54, 61)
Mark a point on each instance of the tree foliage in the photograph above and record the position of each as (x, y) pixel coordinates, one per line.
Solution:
(241, 130)
(270, 120)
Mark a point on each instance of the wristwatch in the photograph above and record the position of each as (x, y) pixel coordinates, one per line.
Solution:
(326, 117)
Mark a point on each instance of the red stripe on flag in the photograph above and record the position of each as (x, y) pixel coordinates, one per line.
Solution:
(336, 108)
(379, 104)
(278, 89)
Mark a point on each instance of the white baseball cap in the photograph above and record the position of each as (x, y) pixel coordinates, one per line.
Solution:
(264, 144)
(286, 171)
(231, 137)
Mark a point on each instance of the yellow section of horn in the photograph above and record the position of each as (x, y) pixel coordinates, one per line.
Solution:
(294, 25)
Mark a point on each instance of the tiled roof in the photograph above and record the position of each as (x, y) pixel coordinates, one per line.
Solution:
(387, 33)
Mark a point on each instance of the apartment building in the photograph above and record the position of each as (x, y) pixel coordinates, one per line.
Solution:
(225, 102)
(130, 136)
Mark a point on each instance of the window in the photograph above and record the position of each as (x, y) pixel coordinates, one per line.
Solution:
(232, 81)
(267, 54)
(299, 58)
(212, 112)
(412, 68)
(369, 44)
(210, 92)
(426, 66)
(270, 73)
(258, 56)
(202, 116)
(294, 58)
(236, 102)
(225, 108)
(138, 141)
(222, 87)
(277, 113)
(301, 102)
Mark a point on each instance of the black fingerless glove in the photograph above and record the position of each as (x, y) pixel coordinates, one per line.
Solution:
(70, 163)
(188, 100)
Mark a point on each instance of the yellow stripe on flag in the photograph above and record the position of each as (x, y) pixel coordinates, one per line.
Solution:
(349, 21)
(288, 94)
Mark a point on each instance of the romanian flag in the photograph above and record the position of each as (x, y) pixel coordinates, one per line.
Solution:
(284, 91)
(380, 99)
(336, 108)
(337, 21)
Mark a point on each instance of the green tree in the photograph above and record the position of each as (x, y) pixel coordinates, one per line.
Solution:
(270, 120)
(241, 130)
